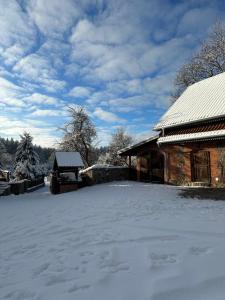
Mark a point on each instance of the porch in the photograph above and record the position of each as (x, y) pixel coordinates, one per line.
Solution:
(145, 161)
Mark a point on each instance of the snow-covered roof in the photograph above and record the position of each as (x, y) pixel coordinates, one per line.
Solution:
(69, 159)
(208, 135)
(201, 101)
(152, 138)
(101, 166)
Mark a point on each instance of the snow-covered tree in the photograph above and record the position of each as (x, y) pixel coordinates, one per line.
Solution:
(2, 153)
(79, 134)
(120, 139)
(207, 62)
(27, 160)
(104, 159)
(42, 169)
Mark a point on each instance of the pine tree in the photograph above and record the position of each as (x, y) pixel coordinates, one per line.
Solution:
(27, 159)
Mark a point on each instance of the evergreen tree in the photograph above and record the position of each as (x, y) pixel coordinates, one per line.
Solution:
(27, 159)
(2, 153)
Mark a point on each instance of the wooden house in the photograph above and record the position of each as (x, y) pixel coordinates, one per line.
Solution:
(65, 175)
(191, 140)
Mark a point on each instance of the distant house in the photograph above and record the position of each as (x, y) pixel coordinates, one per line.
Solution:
(65, 176)
(191, 141)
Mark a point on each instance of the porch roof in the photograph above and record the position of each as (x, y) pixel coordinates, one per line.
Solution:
(198, 136)
(134, 149)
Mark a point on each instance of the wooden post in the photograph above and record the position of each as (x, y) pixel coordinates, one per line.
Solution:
(129, 164)
(139, 168)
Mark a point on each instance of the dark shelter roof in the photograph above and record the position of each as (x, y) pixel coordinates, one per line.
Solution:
(68, 159)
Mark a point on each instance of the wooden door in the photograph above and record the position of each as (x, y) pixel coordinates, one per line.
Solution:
(201, 166)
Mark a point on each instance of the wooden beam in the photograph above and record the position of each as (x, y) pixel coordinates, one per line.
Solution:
(129, 161)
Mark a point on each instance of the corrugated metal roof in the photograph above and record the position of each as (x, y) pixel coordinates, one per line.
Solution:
(207, 135)
(69, 159)
(200, 101)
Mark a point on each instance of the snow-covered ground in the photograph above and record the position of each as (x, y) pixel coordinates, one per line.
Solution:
(116, 241)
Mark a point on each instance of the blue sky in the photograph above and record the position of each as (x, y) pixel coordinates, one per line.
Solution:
(118, 58)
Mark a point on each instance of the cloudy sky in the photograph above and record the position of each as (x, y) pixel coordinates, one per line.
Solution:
(118, 58)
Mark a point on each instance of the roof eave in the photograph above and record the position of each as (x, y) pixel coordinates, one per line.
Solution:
(217, 118)
(123, 152)
(199, 139)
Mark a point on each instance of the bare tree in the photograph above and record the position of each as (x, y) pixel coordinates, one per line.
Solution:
(207, 62)
(79, 134)
(120, 139)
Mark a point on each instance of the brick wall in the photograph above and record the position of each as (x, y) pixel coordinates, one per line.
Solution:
(178, 161)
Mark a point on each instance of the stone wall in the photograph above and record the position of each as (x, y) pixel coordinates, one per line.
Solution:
(25, 186)
(95, 175)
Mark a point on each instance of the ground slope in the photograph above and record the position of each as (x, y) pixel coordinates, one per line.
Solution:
(123, 241)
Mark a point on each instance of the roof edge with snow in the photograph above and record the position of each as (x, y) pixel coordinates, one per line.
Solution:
(199, 136)
(152, 138)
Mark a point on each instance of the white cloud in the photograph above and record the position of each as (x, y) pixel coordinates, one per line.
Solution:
(13, 127)
(42, 99)
(80, 92)
(54, 17)
(10, 93)
(17, 34)
(47, 113)
(107, 116)
(197, 20)
(130, 103)
(103, 33)
(35, 67)
(38, 68)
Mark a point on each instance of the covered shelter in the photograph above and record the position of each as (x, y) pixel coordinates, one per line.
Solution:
(149, 165)
(65, 175)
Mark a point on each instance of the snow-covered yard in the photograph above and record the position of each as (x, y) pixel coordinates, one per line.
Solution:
(116, 241)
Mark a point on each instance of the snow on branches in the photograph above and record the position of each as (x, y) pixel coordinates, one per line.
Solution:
(79, 134)
(27, 160)
(207, 62)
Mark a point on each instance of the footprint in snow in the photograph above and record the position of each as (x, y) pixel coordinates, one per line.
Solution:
(40, 269)
(55, 279)
(86, 253)
(76, 288)
(21, 295)
(199, 250)
(158, 260)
